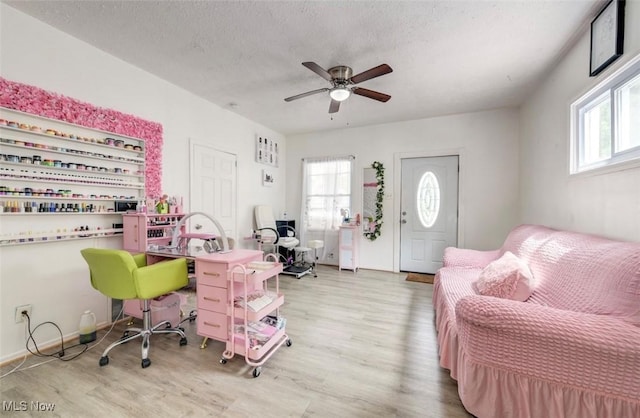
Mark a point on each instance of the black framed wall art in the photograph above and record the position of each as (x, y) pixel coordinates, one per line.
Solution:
(607, 36)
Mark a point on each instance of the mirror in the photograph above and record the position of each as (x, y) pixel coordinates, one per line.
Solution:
(372, 200)
(369, 191)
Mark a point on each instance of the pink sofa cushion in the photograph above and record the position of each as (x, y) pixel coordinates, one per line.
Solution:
(507, 277)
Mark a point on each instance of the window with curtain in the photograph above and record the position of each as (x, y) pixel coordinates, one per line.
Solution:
(326, 196)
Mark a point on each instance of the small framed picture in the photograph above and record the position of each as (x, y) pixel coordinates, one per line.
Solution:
(266, 151)
(267, 178)
(607, 37)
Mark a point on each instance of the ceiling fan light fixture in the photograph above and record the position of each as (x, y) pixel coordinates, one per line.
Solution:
(341, 78)
(340, 94)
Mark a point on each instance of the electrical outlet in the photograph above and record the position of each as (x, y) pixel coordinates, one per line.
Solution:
(20, 309)
(330, 255)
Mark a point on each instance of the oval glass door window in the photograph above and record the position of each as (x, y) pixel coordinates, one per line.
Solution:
(428, 199)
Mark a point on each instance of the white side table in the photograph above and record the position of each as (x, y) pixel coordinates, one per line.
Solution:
(348, 243)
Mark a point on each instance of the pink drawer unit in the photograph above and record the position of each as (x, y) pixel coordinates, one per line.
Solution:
(211, 274)
(213, 325)
(212, 298)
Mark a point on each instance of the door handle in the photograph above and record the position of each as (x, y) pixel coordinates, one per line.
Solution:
(403, 221)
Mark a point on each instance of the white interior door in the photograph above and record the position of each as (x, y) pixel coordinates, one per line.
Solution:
(428, 211)
(213, 188)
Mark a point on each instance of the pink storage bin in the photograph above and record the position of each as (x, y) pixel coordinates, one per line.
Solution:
(163, 308)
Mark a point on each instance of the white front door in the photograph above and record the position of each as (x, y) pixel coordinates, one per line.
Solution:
(213, 188)
(428, 211)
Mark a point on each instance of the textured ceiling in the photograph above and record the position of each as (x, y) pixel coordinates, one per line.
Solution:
(447, 56)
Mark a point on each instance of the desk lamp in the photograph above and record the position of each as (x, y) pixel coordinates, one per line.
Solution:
(176, 232)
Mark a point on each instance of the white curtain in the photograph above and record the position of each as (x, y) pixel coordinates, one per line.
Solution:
(326, 200)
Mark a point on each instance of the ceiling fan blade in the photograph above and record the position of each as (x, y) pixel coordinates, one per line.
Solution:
(374, 72)
(334, 106)
(318, 70)
(309, 93)
(375, 95)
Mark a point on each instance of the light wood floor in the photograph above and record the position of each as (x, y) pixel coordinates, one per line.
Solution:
(364, 345)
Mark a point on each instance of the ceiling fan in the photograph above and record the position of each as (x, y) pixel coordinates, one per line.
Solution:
(341, 79)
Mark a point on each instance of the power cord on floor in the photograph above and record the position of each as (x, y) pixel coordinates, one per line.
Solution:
(15, 368)
(60, 353)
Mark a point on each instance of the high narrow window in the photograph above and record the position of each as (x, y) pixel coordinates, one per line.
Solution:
(606, 121)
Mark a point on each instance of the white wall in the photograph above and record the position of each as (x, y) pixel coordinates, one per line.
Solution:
(53, 277)
(487, 141)
(605, 203)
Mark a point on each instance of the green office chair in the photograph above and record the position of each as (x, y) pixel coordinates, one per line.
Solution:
(120, 275)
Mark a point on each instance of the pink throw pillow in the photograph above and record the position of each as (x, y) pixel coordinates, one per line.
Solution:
(507, 277)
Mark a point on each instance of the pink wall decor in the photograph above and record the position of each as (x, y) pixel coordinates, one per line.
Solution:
(34, 100)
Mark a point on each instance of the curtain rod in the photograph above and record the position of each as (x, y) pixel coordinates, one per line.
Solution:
(353, 157)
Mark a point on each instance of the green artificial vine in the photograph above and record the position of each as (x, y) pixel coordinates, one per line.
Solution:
(375, 233)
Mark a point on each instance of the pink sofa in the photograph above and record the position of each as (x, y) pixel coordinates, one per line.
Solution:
(571, 350)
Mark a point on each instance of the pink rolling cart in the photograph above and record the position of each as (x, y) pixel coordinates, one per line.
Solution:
(256, 329)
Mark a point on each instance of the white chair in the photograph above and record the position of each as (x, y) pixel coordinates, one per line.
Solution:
(266, 224)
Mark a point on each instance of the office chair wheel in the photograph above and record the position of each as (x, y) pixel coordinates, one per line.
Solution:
(146, 363)
(125, 335)
(223, 361)
(256, 371)
(183, 341)
(289, 342)
(104, 361)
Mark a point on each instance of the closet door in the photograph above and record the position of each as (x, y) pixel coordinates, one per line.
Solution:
(214, 187)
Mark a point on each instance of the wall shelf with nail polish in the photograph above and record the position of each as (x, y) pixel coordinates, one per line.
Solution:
(60, 181)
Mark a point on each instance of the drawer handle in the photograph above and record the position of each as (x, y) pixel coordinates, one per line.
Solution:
(206, 273)
(211, 300)
(212, 325)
